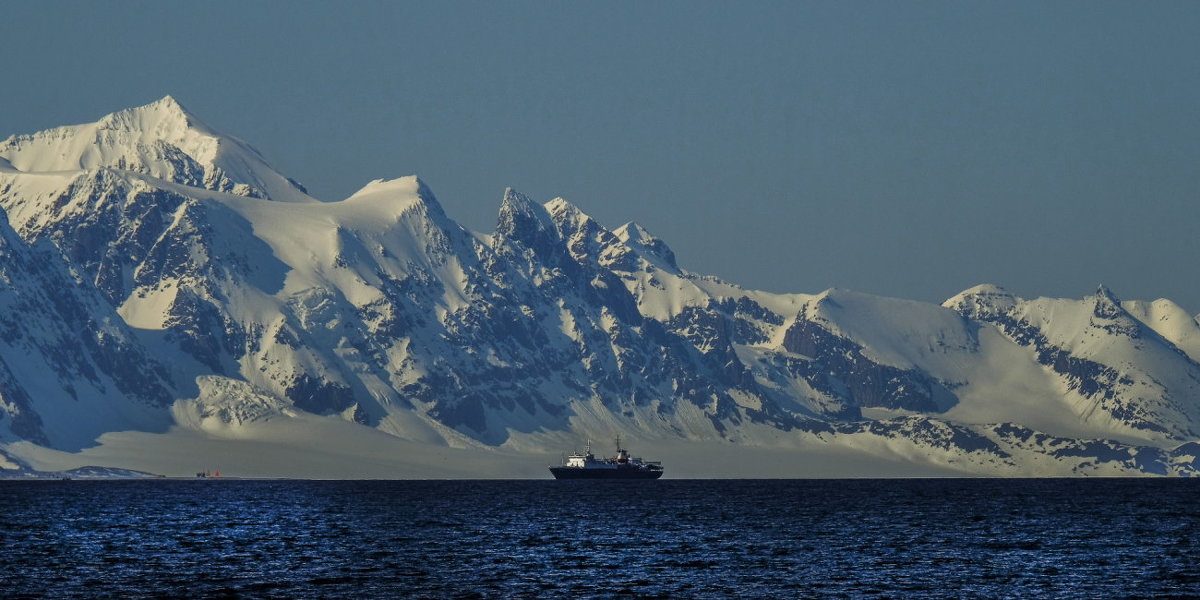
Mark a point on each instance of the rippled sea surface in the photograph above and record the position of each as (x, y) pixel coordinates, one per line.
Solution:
(1108, 538)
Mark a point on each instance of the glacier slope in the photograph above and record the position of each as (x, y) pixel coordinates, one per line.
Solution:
(277, 318)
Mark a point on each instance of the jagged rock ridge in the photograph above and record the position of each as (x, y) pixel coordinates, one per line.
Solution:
(257, 301)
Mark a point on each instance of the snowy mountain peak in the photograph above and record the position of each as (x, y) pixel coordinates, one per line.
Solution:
(154, 284)
(516, 201)
(570, 220)
(521, 218)
(982, 300)
(1102, 291)
(987, 289)
(1108, 306)
(164, 118)
(162, 140)
(634, 232)
(410, 185)
(634, 235)
(397, 196)
(560, 206)
(1170, 321)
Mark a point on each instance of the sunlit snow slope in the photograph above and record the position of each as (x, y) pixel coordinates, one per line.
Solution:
(167, 294)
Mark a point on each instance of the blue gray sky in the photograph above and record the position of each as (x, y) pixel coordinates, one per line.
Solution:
(908, 149)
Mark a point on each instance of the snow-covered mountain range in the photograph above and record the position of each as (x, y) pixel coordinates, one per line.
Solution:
(167, 299)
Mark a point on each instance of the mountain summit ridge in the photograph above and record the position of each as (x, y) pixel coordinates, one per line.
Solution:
(216, 300)
(161, 139)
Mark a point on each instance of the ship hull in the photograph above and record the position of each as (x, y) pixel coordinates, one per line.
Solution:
(585, 473)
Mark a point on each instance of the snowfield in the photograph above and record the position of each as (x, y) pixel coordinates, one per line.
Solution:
(172, 304)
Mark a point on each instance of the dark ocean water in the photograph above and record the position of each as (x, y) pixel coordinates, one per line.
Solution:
(1087, 538)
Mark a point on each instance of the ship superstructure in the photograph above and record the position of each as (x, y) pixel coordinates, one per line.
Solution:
(585, 465)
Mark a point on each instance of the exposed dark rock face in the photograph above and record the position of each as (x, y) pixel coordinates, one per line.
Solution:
(843, 371)
(63, 338)
(929, 432)
(318, 396)
(16, 405)
(383, 304)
